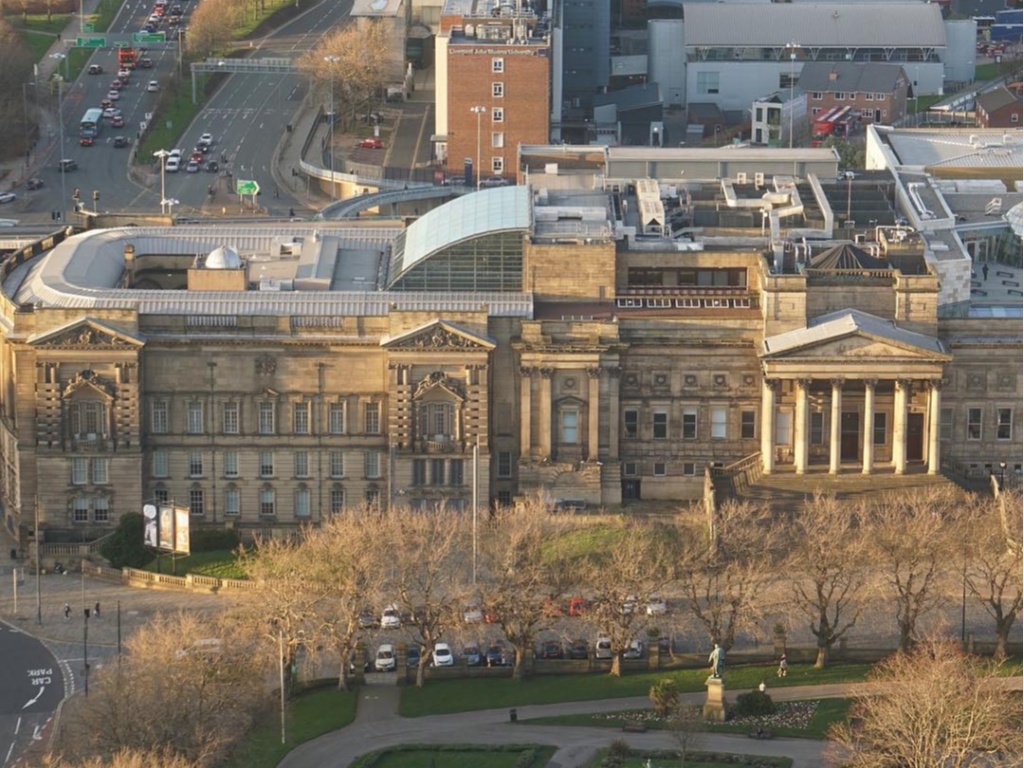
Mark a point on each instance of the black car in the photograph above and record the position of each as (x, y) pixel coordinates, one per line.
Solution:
(412, 656)
(120, 141)
(34, 184)
(367, 619)
(552, 649)
(212, 167)
(578, 649)
(497, 655)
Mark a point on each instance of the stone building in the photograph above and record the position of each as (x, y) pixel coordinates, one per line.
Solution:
(587, 336)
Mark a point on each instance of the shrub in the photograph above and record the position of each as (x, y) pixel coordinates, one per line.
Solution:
(754, 703)
(618, 748)
(664, 694)
(125, 549)
(211, 539)
(527, 759)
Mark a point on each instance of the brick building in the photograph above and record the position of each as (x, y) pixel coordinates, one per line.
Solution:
(874, 91)
(1000, 108)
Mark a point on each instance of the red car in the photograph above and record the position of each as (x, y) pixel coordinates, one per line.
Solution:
(196, 156)
(85, 141)
(371, 144)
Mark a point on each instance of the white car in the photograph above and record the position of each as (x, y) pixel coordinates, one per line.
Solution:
(124, 74)
(206, 138)
(443, 656)
(385, 661)
(153, 86)
(113, 95)
(472, 614)
(628, 606)
(7, 197)
(111, 112)
(173, 165)
(635, 650)
(391, 618)
(656, 606)
(603, 648)
(175, 153)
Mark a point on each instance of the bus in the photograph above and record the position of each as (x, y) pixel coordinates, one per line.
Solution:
(91, 123)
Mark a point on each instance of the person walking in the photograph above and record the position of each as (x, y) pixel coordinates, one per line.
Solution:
(67, 612)
(783, 666)
(96, 610)
(984, 272)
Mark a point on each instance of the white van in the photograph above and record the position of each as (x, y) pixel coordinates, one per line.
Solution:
(603, 648)
(385, 661)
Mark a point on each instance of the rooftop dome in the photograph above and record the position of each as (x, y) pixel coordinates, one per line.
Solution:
(224, 257)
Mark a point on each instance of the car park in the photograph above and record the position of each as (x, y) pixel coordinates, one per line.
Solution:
(471, 655)
(497, 655)
(577, 606)
(385, 660)
(153, 86)
(7, 197)
(628, 606)
(656, 606)
(603, 648)
(371, 143)
(34, 183)
(412, 656)
(66, 165)
(552, 649)
(367, 619)
(578, 649)
(443, 656)
(635, 650)
(551, 609)
(120, 141)
(391, 618)
(95, 69)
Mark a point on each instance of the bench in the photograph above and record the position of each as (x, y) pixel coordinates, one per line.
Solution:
(761, 733)
(634, 727)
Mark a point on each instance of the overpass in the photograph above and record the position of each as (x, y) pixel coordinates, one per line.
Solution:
(352, 207)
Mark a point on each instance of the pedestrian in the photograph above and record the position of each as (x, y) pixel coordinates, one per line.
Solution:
(291, 213)
(96, 610)
(783, 666)
(58, 37)
(67, 612)
(984, 272)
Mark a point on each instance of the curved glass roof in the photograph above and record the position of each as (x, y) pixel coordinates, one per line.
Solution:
(489, 211)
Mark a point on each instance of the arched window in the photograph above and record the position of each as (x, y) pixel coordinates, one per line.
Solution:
(302, 506)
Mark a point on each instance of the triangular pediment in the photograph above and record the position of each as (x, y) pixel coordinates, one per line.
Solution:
(88, 384)
(439, 336)
(85, 333)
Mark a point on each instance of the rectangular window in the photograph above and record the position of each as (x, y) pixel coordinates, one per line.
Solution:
(497, 90)
(869, 97)
(300, 418)
(302, 502)
(629, 469)
(195, 464)
(81, 511)
(497, 114)
(337, 500)
(232, 502)
(497, 165)
(817, 428)
(659, 425)
(372, 497)
(266, 463)
(497, 140)
(783, 422)
(336, 418)
(457, 472)
(816, 95)
(230, 463)
(946, 424)
(196, 504)
(302, 463)
(161, 495)
(631, 422)
(497, 65)
(504, 464)
(230, 416)
(719, 422)
(371, 418)
(974, 423)
(267, 421)
(878, 429)
(748, 425)
(371, 464)
(659, 469)
(100, 510)
(419, 471)
(690, 422)
(337, 460)
(267, 505)
(1004, 424)
(689, 468)
(79, 471)
(195, 418)
(707, 83)
(158, 417)
(161, 466)
(840, 96)
(99, 472)
(505, 498)
(437, 471)
(570, 427)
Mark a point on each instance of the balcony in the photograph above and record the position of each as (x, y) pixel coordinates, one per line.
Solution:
(440, 446)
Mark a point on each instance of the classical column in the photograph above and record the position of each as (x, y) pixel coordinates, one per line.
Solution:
(934, 412)
(803, 387)
(593, 409)
(768, 387)
(525, 412)
(835, 428)
(869, 425)
(899, 427)
(613, 412)
(546, 374)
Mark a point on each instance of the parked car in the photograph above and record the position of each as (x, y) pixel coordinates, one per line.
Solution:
(7, 197)
(495, 181)
(603, 648)
(552, 649)
(385, 661)
(412, 656)
(497, 655)
(367, 620)
(578, 649)
(443, 656)
(628, 605)
(471, 654)
(120, 141)
(95, 69)
(391, 618)
(352, 664)
(472, 614)
(656, 606)
(34, 183)
(371, 143)
(635, 650)
(552, 609)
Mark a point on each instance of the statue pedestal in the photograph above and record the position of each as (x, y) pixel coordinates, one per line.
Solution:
(714, 707)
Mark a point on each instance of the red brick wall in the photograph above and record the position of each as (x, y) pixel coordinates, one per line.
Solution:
(526, 103)
(894, 107)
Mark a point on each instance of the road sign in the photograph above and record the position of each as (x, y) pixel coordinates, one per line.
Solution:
(91, 42)
(149, 37)
(244, 187)
(88, 27)
(122, 44)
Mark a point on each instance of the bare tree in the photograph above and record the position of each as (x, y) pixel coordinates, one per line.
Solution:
(931, 708)
(124, 758)
(825, 561)
(910, 541)
(210, 26)
(993, 566)
(722, 581)
(688, 731)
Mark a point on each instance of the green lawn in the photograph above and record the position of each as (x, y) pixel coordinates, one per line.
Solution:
(310, 715)
(37, 22)
(37, 42)
(669, 759)
(220, 563)
(445, 696)
(104, 15)
(461, 756)
(177, 110)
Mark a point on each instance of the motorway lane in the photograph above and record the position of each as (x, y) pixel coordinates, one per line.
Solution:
(31, 686)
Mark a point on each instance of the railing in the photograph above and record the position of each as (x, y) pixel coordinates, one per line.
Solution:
(732, 479)
(73, 549)
(191, 582)
(831, 276)
(440, 446)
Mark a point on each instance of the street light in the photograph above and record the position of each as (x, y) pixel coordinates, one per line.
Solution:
(162, 154)
(478, 111)
(24, 109)
(791, 47)
(85, 647)
(1002, 474)
(332, 60)
(60, 123)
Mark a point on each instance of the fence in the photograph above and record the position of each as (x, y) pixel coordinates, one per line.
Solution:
(133, 577)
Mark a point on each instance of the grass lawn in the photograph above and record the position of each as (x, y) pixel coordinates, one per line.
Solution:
(248, 26)
(37, 22)
(496, 756)
(179, 111)
(37, 42)
(445, 696)
(104, 15)
(310, 715)
(638, 758)
(220, 563)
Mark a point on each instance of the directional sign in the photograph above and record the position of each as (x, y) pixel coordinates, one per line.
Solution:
(149, 37)
(122, 44)
(244, 187)
(91, 42)
(88, 27)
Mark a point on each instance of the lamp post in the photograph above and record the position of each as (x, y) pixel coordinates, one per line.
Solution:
(1002, 475)
(478, 111)
(476, 461)
(332, 60)
(85, 649)
(60, 123)
(39, 571)
(162, 155)
(24, 110)
(791, 47)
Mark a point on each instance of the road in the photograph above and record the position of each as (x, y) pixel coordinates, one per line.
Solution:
(32, 684)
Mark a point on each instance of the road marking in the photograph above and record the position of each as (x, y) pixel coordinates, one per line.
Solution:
(17, 726)
(36, 735)
(36, 698)
(9, 751)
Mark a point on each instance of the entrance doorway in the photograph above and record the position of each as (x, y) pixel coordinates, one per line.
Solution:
(849, 442)
(915, 437)
(631, 489)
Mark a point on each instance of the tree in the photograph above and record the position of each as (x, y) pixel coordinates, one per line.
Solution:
(124, 758)
(664, 695)
(931, 708)
(910, 541)
(850, 155)
(687, 731)
(993, 566)
(125, 549)
(210, 26)
(825, 562)
(723, 580)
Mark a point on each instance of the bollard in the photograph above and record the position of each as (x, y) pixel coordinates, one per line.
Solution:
(513, 715)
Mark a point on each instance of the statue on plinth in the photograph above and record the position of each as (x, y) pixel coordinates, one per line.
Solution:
(717, 662)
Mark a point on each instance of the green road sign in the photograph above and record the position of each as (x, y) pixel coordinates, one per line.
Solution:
(149, 37)
(89, 27)
(244, 187)
(91, 42)
(122, 44)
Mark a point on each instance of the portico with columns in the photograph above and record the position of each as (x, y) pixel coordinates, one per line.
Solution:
(851, 392)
